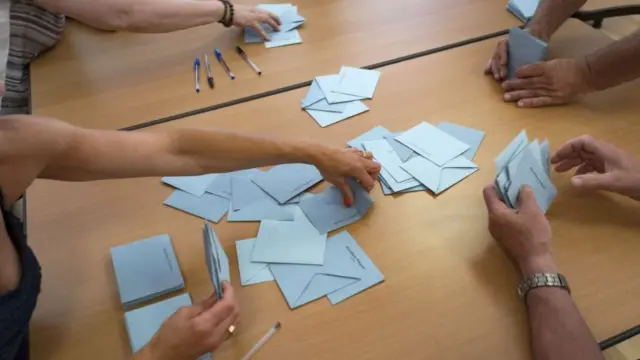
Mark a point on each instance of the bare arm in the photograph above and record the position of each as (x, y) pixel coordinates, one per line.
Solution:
(616, 63)
(33, 147)
(550, 15)
(153, 16)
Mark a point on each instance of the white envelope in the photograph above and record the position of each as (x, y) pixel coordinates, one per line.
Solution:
(439, 178)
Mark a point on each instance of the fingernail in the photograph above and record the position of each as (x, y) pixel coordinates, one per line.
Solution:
(576, 181)
(520, 103)
(347, 202)
(507, 97)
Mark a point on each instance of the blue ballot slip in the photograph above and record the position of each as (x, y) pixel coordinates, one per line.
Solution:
(289, 242)
(266, 209)
(439, 178)
(251, 272)
(327, 211)
(284, 182)
(208, 206)
(146, 269)
(467, 135)
(523, 9)
(328, 83)
(531, 172)
(357, 82)
(376, 133)
(432, 143)
(388, 158)
(216, 259)
(545, 157)
(515, 146)
(194, 185)
(323, 105)
(301, 284)
(314, 95)
(403, 152)
(326, 118)
(387, 190)
(370, 274)
(284, 39)
(524, 49)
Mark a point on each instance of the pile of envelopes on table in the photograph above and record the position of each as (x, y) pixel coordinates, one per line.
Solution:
(524, 49)
(423, 157)
(145, 270)
(336, 97)
(290, 20)
(525, 163)
(523, 9)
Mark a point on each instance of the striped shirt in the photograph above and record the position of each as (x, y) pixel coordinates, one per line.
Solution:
(31, 30)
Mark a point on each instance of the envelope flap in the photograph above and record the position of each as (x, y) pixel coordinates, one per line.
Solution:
(460, 162)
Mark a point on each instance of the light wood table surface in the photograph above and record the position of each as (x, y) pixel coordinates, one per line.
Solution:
(113, 80)
(449, 290)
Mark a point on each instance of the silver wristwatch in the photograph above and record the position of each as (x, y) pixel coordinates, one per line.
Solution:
(542, 279)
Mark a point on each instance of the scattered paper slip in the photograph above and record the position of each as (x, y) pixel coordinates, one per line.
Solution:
(208, 206)
(194, 185)
(283, 182)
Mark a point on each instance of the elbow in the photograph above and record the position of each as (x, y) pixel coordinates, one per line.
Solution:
(124, 17)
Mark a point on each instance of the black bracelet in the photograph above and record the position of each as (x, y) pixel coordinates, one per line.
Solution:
(224, 15)
(230, 22)
(227, 18)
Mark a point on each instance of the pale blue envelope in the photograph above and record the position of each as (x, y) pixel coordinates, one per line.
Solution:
(403, 152)
(208, 206)
(524, 49)
(221, 184)
(523, 9)
(194, 185)
(325, 118)
(387, 190)
(388, 158)
(245, 192)
(432, 143)
(531, 172)
(376, 133)
(146, 269)
(323, 105)
(250, 272)
(357, 82)
(545, 156)
(314, 95)
(370, 275)
(284, 182)
(512, 166)
(467, 135)
(439, 178)
(265, 209)
(289, 242)
(397, 186)
(216, 259)
(328, 83)
(515, 146)
(301, 284)
(327, 211)
(283, 39)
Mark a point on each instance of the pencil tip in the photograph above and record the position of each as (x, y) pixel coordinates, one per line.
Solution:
(277, 325)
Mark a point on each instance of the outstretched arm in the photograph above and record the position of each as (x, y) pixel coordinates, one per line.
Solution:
(550, 15)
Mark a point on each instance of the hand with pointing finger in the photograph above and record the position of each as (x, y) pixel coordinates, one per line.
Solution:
(553, 82)
(599, 166)
(338, 165)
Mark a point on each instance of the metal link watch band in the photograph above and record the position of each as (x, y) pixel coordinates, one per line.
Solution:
(542, 279)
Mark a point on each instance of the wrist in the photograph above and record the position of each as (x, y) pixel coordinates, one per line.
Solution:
(539, 32)
(144, 354)
(539, 264)
(586, 76)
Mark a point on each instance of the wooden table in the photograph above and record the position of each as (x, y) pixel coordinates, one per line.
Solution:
(449, 290)
(108, 80)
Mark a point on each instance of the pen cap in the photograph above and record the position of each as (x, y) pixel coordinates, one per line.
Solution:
(196, 62)
(218, 53)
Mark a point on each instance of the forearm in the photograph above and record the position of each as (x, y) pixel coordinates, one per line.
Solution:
(558, 331)
(94, 155)
(616, 63)
(149, 16)
(550, 15)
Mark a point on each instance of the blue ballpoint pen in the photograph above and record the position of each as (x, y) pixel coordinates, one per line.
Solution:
(196, 69)
(224, 64)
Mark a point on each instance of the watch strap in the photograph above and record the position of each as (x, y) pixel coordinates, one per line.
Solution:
(537, 280)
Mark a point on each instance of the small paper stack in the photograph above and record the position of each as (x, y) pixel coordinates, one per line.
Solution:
(289, 21)
(247, 195)
(524, 49)
(146, 269)
(423, 157)
(523, 163)
(523, 9)
(333, 98)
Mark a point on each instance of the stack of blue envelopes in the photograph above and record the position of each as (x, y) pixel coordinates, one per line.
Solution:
(423, 157)
(247, 195)
(146, 269)
(525, 163)
(524, 49)
(290, 20)
(333, 98)
(523, 9)
(144, 322)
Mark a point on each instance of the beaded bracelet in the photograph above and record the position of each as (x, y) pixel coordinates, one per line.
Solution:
(227, 18)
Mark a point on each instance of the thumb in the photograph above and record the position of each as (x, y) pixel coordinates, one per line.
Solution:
(527, 199)
(346, 192)
(594, 181)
